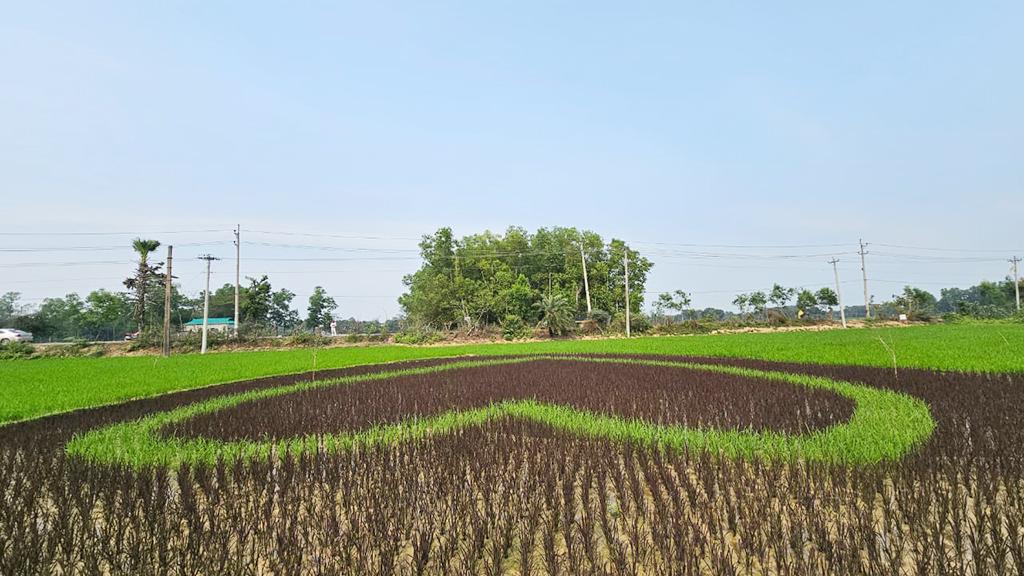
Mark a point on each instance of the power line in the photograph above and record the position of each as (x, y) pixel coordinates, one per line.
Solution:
(125, 247)
(109, 233)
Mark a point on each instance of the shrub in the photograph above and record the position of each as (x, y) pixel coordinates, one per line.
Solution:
(513, 327)
(420, 336)
(16, 350)
(601, 317)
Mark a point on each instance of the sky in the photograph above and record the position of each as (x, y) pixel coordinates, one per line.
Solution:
(735, 144)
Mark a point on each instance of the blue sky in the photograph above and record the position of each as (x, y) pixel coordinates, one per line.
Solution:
(760, 124)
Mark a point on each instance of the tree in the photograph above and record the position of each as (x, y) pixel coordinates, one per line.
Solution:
(10, 308)
(555, 314)
(145, 274)
(780, 296)
(759, 302)
(256, 308)
(916, 303)
(321, 308)
(828, 298)
(480, 279)
(107, 315)
(678, 301)
(281, 314)
(741, 301)
(806, 302)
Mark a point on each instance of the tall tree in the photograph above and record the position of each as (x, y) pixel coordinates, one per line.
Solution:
(256, 308)
(145, 274)
(828, 298)
(321, 308)
(759, 302)
(806, 302)
(780, 296)
(282, 316)
(741, 301)
(10, 308)
(678, 301)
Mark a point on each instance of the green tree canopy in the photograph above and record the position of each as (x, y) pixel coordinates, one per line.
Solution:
(483, 278)
(321, 308)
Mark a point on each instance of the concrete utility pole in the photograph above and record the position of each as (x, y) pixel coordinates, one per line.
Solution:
(206, 300)
(167, 302)
(625, 261)
(586, 283)
(238, 268)
(864, 273)
(839, 293)
(1016, 279)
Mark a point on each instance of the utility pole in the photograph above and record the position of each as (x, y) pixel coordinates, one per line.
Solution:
(1016, 279)
(839, 293)
(625, 261)
(206, 300)
(586, 283)
(864, 273)
(238, 268)
(168, 279)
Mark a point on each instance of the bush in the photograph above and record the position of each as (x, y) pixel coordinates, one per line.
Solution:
(602, 318)
(16, 350)
(513, 328)
(307, 339)
(638, 323)
(417, 337)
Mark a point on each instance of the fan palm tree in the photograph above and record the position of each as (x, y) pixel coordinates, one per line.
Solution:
(140, 281)
(555, 313)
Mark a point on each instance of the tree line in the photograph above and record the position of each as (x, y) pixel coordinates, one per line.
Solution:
(109, 315)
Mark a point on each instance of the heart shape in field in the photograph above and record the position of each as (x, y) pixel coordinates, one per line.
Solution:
(738, 412)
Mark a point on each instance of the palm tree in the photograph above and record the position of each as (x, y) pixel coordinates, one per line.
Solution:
(555, 313)
(140, 282)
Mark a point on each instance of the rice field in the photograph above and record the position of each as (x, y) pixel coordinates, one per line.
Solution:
(548, 463)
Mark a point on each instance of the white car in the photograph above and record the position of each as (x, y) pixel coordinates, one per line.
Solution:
(12, 335)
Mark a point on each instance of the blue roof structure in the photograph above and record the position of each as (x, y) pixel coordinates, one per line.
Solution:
(211, 321)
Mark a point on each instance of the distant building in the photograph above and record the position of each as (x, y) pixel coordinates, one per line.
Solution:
(216, 324)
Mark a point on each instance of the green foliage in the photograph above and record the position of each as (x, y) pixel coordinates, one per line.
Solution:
(320, 309)
(759, 302)
(421, 336)
(16, 350)
(255, 309)
(917, 304)
(678, 302)
(513, 327)
(780, 296)
(555, 314)
(281, 315)
(806, 302)
(602, 318)
(145, 281)
(477, 280)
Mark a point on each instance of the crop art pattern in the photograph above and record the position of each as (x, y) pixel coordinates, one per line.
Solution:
(734, 411)
(530, 465)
